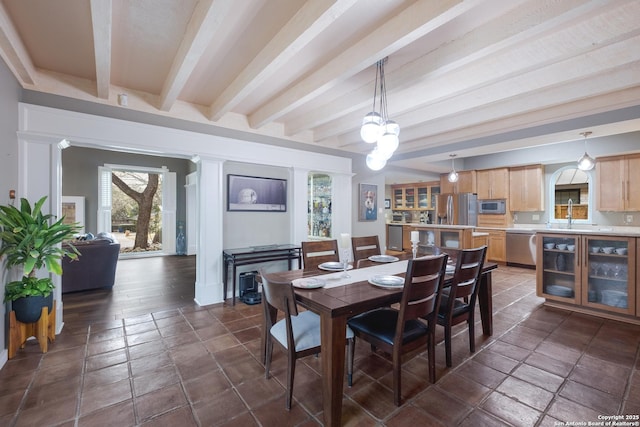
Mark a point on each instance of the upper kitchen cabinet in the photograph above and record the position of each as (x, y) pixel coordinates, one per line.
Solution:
(417, 196)
(466, 183)
(617, 180)
(526, 185)
(493, 183)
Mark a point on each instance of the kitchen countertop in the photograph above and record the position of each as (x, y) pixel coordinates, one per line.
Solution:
(540, 228)
(420, 224)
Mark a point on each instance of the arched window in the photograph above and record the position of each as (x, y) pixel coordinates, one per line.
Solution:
(571, 184)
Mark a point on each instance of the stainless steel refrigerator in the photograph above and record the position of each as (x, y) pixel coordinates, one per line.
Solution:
(457, 209)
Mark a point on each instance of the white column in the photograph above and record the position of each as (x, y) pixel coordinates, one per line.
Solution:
(40, 174)
(209, 264)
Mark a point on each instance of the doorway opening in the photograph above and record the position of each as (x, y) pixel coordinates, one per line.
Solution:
(137, 204)
(136, 210)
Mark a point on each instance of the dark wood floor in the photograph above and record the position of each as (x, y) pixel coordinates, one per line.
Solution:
(143, 285)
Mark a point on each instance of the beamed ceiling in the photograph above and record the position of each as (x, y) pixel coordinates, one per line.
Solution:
(466, 77)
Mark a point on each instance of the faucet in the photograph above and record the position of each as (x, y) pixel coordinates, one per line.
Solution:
(570, 213)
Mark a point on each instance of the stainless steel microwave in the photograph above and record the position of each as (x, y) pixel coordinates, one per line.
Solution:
(496, 206)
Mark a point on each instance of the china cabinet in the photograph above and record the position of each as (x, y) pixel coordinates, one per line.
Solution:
(609, 276)
(558, 275)
(593, 273)
(319, 209)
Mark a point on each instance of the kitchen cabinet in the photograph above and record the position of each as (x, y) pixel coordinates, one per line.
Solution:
(492, 183)
(496, 244)
(526, 189)
(590, 273)
(466, 183)
(617, 181)
(417, 196)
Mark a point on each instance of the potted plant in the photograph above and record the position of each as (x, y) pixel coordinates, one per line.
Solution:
(30, 239)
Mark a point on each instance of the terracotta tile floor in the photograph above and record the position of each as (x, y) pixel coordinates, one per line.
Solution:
(200, 366)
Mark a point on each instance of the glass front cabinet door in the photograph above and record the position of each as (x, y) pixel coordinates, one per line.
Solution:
(609, 272)
(560, 276)
(319, 210)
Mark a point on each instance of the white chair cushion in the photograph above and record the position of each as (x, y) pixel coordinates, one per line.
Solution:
(306, 330)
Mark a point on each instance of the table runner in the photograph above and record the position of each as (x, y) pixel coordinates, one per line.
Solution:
(360, 274)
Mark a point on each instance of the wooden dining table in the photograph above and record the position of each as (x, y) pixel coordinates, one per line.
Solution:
(335, 305)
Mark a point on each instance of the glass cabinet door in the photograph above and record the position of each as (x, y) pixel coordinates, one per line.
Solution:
(609, 274)
(398, 198)
(409, 198)
(319, 210)
(559, 277)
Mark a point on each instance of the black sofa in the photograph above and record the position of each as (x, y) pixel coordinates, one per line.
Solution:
(95, 268)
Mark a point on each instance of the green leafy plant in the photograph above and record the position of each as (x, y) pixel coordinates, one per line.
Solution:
(28, 287)
(31, 239)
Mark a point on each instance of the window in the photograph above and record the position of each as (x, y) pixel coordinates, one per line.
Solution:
(570, 184)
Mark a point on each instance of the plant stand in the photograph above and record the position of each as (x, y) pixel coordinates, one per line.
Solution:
(44, 330)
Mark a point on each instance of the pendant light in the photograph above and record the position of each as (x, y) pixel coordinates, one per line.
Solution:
(586, 162)
(377, 127)
(453, 175)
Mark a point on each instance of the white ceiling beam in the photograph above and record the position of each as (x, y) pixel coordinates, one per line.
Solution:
(101, 20)
(484, 45)
(312, 18)
(396, 32)
(13, 51)
(205, 22)
(537, 107)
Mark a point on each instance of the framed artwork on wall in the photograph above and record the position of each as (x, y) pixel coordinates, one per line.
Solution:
(252, 193)
(73, 211)
(368, 202)
(387, 203)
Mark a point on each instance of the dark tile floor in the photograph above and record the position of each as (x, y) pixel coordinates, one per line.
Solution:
(200, 366)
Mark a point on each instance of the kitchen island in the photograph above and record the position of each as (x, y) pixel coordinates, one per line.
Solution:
(430, 235)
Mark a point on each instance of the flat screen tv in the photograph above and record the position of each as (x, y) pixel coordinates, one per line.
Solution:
(257, 194)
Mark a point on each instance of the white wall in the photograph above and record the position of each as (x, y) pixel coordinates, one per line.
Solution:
(10, 91)
(42, 124)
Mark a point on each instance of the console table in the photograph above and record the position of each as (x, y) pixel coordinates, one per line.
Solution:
(256, 255)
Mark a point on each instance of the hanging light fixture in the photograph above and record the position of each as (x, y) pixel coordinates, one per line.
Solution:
(377, 127)
(453, 175)
(586, 162)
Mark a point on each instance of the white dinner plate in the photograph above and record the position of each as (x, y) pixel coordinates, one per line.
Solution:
(383, 258)
(333, 266)
(451, 269)
(308, 283)
(387, 282)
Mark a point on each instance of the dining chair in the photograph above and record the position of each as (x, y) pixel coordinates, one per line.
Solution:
(458, 302)
(364, 247)
(316, 252)
(402, 330)
(297, 332)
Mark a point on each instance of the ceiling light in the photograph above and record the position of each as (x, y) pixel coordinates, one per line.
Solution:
(453, 175)
(64, 144)
(376, 127)
(375, 161)
(586, 162)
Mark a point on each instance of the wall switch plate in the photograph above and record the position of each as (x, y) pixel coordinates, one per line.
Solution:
(535, 217)
(628, 218)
